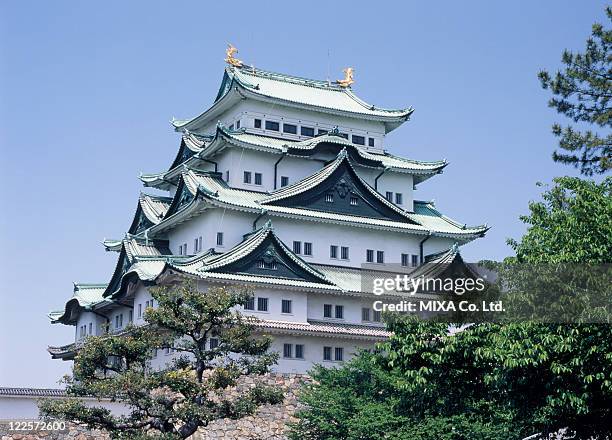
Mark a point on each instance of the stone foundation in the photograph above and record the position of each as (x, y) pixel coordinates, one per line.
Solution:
(269, 422)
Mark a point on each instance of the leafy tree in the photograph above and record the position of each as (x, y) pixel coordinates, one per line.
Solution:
(490, 381)
(190, 392)
(582, 92)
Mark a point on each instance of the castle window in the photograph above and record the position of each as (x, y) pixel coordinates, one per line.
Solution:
(404, 259)
(354, 200)
(370, 142)
(327, 310)
(267, 265)
(130, 319)
(286, 306)
(398, 198)
(359, 140)
(140, 310)
(257, 123)
(365, 314)
(287, 350)
(380, 257)
(219, 238)
(237, 124)
(307, 131)
(290, 128)
(321, 131)
(272, 126)
(339, 354)
(213, 343)
(247, 177)
(333, 251)
(327, 353)
(339, 312)
(329, 198)
(376, 316)
(299, 351)
(370, 255)
(344, 252)
(90, 328)
(284, 181)
(297, 247)
(262, 304)
(415, 260)
(307, 248)
(250, 303)
(227, 176)
(257, 178)
(389, 196)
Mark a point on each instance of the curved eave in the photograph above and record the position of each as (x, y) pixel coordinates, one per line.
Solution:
(64, 352)
(112, 245)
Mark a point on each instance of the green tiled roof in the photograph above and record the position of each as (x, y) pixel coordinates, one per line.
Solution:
(214, 144)
(218, 194)
(292, 91)
(84, 296)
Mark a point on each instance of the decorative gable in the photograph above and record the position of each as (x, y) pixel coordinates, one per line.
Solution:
(337, 188)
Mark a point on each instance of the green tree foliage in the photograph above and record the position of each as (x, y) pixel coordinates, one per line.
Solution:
(490, 381)
(582, 92)
(572, 224)
(172, 402)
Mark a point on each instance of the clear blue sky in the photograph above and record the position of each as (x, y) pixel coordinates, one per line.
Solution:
(87, 90)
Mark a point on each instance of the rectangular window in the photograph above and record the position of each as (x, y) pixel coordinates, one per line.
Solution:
(404, 259)
(370, 256)
(219, 238)
(195, 245)
(213, 343)
(287, 350)
(321, 131)
(284, 181)
(344, 252)
(131, 316)
(247, 177)
(333, 251)
(354, 200)
(184, 248)
(389, 196)
(257, 178)
(227, 176)
(181, 249)
(327, 351)
(262, 304)
(237, 124)
(116, 321)
(200, 243)
(329, 198)
(339, 312)
(380, 257)
(299, 351)
(370, 142)
(90, 328)
(121, 320)
(257, 123)
(339, 354)
(140, 310)
(307, 248)
(290, 128)
(297, 247)
(365, 314)
(359, 140)
(376, 316)
(273, 126)
(398, 198)
(415, 260)
(307, 131)
(286, 306)
(250, 303)
(327, 310)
